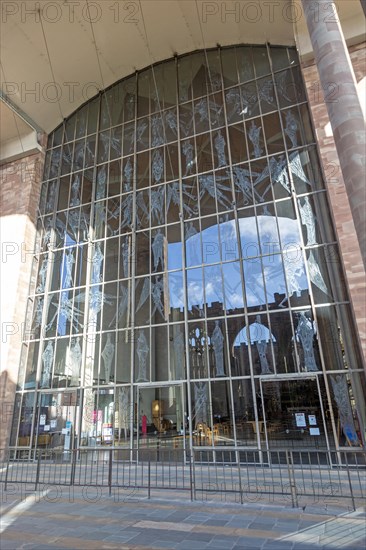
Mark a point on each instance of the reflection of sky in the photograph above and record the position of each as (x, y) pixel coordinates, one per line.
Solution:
(226, 284)
(257, 333)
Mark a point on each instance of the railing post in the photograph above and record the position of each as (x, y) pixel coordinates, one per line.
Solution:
(73, 466)
(38, 470)
(350, 484)
(7, 472)
(291, 476)
(192, 474)
(110, 472)
(148, 479)
(239, 474)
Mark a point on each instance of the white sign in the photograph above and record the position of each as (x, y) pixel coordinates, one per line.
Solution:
(47, 428)
(312, 420)
(300, 420)
(53, 424)
(42, 419)
(314, 431)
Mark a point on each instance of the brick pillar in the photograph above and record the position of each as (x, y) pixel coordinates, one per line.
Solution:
(345, 113)
(20, 183)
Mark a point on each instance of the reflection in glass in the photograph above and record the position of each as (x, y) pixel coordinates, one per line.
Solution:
(305, 333)
(142, 354)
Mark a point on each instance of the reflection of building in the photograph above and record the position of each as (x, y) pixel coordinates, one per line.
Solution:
(186, 259)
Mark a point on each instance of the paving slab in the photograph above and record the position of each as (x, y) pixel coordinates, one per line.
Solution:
(78, 523)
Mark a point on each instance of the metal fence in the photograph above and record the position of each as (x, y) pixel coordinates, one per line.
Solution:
(297, 478)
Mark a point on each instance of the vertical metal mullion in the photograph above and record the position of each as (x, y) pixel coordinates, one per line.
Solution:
(303, 251)
(241, 260)
(184, 275)
(133, 283)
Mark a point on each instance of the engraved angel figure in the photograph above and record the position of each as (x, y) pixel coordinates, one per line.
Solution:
(142, 353)
(107, 356)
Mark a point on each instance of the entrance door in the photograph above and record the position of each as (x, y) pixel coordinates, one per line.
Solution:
(293, 413)
(160, 419)
(57, 422)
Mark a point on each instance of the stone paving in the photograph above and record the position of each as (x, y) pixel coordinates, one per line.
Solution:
(90, 519)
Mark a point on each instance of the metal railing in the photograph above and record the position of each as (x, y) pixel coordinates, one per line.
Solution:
(286, 476)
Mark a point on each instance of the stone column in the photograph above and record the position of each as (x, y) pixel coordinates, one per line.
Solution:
(344, 109)
(20, 184)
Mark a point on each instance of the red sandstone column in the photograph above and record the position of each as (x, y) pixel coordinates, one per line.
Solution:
(344, 110)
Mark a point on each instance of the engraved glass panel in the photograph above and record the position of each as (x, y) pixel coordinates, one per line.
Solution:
(192, 243)
(266, 95)
(142, 134)
(174, 247)
(104, 146)
(90, 151)
(229, 245)
(160, 355)
(254, 284)
(273, 133)
(204, 153)
(306, 335)
(210, 240)
(255, 138)
(143, 170)
(173, 201)
(123, 356)
(190, 198)
(129, 138)
(238, 145)
(234, 302)
(214, 292)
(126, 257)
(198, 355)
(195, 292)
(177, 352)
(142, 355)
(109, 305)
(123, 306)
(284, 342)
(176, 296)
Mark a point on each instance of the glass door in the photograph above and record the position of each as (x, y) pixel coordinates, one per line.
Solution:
(160, 420)
(293, 414)
(58, 419)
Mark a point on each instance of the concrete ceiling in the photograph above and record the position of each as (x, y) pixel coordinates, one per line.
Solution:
(60, 45)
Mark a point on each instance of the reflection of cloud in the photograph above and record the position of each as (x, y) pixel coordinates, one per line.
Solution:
(257, 333)
(273, 269)
(195, 294)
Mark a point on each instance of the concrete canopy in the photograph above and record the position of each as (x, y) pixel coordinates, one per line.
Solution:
(58, 54)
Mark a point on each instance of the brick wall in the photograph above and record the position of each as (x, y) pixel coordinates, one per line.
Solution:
(350, 251)
(19, 197)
